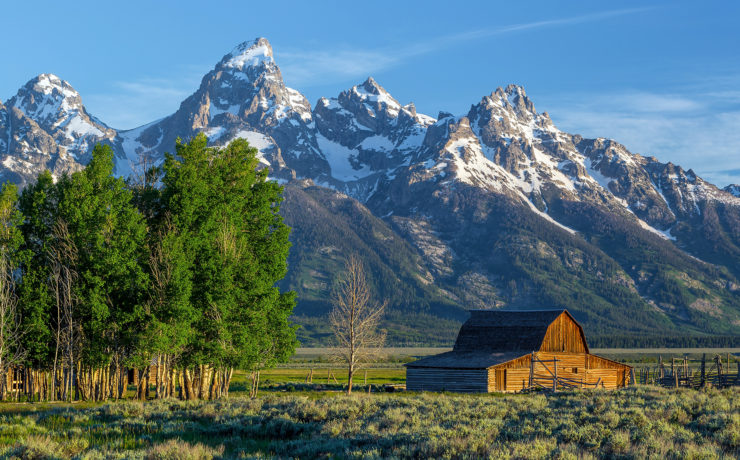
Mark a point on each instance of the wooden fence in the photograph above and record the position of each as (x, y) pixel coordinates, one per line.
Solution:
(549, 379)
(681, 373)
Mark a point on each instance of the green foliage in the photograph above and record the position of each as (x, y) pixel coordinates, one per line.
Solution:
(10, 241)
(186, 267)
(108, 232)
(38, 204)
(10, 220)
(234, 241)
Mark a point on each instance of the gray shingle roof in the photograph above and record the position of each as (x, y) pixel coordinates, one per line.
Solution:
(465, 360)
(500, 331)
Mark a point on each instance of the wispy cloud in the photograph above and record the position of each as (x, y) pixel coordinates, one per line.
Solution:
(585, 18)
(129, 104)
(308, 67)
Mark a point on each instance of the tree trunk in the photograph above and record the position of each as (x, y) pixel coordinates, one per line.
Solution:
(350, 375)
(171, 382)
(213, 387)
(188, 384)
(142, 384)
(204, 373)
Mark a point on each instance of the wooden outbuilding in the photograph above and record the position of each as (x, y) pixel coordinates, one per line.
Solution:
(509, 351)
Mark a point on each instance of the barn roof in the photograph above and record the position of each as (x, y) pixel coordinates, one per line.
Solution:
(491, 337)
(500, 331)
(465, 360)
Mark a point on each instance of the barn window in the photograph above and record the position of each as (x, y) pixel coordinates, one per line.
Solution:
(575, 370)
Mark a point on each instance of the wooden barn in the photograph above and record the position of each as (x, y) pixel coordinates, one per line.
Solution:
(499, 350)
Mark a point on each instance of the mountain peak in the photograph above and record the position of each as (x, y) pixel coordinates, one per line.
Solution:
(47, 82)
(50, 84)
(514, 89)
(733, 189)
(513, 97)
(371, 91)
(372, 86)
(249, 54)
(57, 109)
(46, 96)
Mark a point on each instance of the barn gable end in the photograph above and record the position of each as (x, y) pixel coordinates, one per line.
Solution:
(565, 335)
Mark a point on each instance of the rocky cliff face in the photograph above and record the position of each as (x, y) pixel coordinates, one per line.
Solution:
(27, 149)
(496, 206)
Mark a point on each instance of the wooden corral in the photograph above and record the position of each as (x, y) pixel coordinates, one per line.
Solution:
(508, 351)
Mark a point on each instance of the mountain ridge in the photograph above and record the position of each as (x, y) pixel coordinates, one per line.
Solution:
(665, 243)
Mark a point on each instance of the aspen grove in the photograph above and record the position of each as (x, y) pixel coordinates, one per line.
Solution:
(170, 275)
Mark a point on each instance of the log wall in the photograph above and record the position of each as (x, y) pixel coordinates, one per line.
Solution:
(439, 379)
(514, 375)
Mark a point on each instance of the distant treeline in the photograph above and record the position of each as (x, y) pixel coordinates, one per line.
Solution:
(171, 275)
(626, 341)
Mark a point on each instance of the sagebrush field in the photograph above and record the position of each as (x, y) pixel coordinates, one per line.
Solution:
(638, 422)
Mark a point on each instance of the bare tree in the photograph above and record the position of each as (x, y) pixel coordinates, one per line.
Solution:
(63, 254)
(355, 319)
(11, 353)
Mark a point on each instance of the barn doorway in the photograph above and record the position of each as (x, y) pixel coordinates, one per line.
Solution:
(501, 379)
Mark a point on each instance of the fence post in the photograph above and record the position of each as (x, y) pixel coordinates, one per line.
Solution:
(703, 369)
(531, 369)
(555, 376)
(727, 372)
(686, 365)
(718, 363)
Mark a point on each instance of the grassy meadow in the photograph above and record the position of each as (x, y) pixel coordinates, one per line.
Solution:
(293, 418)
(638, 422)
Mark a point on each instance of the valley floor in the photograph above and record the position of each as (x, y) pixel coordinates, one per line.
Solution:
(638, 422)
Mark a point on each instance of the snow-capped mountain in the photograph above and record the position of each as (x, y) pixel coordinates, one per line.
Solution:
(244, 96)
(57, 108)
(365, 135)
(473, 195)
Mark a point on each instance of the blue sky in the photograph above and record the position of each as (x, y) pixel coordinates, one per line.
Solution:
(663, 78)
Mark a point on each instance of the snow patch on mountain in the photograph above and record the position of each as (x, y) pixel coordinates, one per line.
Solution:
(547, 217)
(377, 96)
(214, 133)
(76, 127)
(665, 234)
(597, 176)
(377, 142)
(258, 141)
(339, 158)
(249, 54)
(134, 156)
